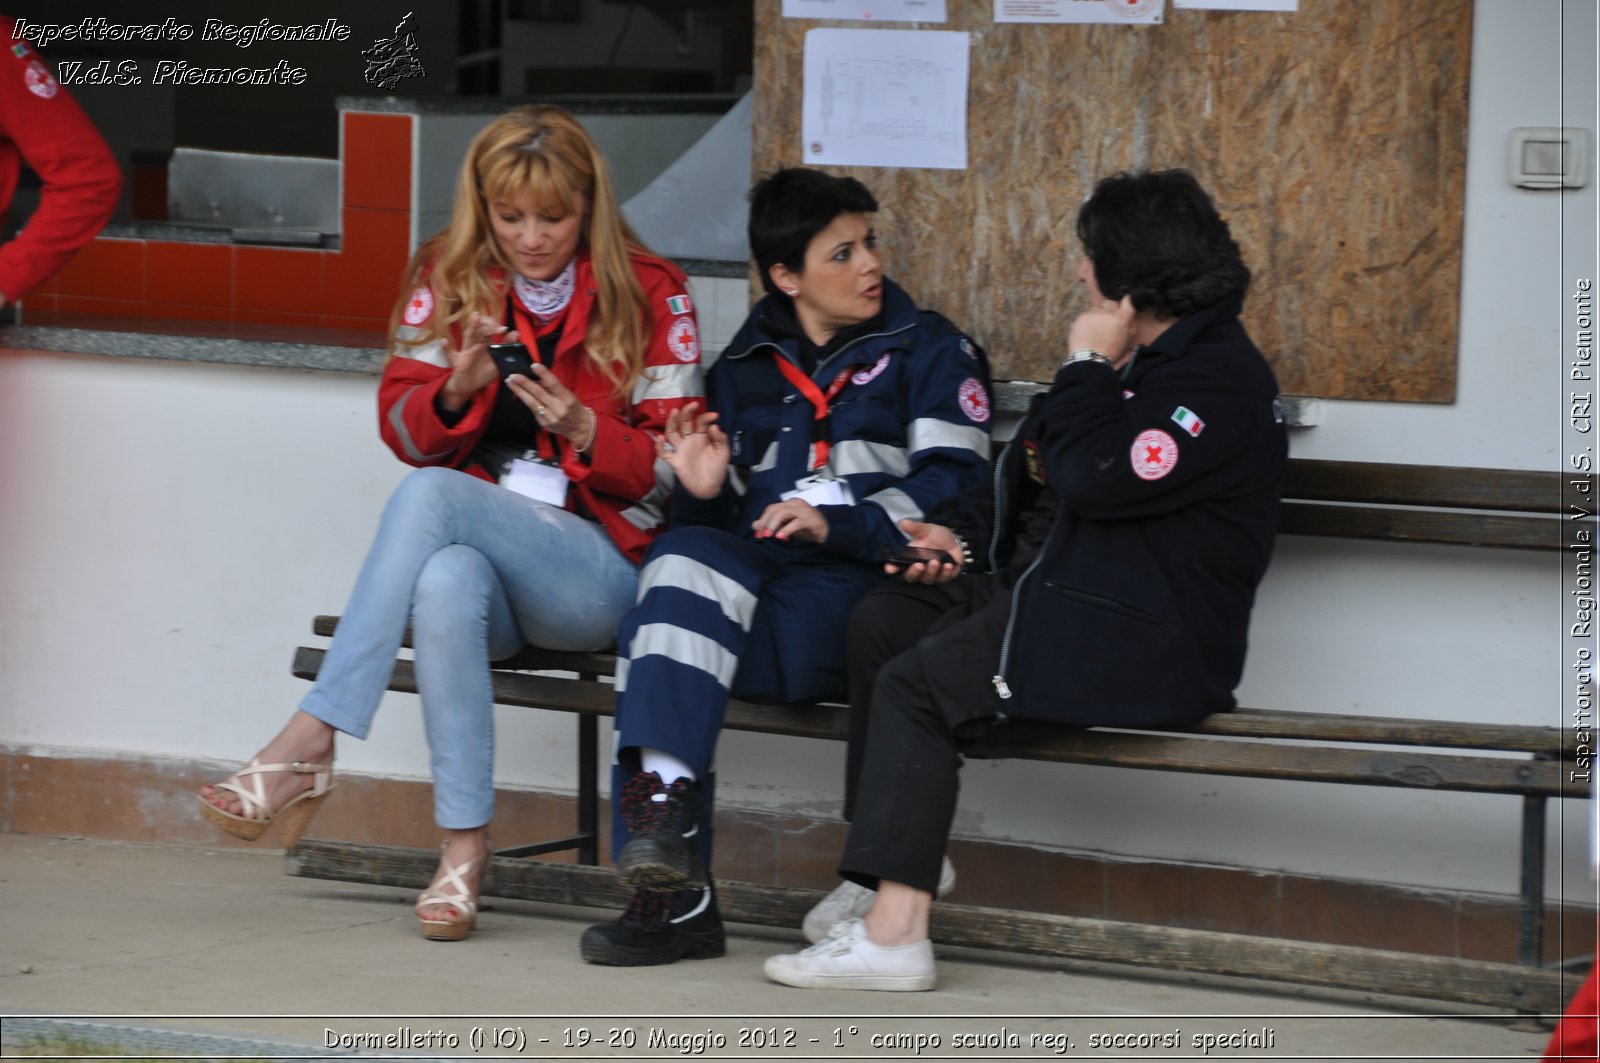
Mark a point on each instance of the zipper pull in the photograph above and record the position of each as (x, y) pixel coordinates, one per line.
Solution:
(1000, 686)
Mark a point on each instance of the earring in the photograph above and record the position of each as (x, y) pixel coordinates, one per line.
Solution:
(791, 292)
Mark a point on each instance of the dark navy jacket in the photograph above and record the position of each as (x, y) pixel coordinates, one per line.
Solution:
(910, 427)
(1136, 611)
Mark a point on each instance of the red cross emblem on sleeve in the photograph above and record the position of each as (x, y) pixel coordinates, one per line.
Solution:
(1153, 455)
(420, 308)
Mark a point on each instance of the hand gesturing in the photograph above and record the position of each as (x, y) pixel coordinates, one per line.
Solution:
(696, 449)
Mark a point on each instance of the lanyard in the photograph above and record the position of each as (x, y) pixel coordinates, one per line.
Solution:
(818, 398)
(543, 350)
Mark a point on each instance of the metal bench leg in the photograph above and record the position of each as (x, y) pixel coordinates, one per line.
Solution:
(588, 790)
(1530, 927)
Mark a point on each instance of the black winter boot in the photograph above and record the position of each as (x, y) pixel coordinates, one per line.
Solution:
(659, 928)
(661, 852)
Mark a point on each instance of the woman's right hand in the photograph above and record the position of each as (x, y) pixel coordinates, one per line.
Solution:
(471, 368)
(696, 449)
(934, 537)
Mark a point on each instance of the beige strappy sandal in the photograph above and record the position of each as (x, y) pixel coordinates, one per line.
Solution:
(451, 877)
(254, 816)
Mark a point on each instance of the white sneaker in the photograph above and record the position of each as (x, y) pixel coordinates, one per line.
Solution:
(849, 901)
(846, 959)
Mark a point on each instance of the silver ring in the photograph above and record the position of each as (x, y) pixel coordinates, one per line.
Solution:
(540, 412)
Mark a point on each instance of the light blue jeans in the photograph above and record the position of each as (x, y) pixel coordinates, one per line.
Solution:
(479, 571)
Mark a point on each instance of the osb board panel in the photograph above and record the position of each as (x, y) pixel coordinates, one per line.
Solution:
(1334, 140)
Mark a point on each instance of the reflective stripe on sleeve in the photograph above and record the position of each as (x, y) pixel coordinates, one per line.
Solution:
(897, 504)
(432, 353)
(925, 433)
(397, 421)
(651, 510)
(679, 381)
(855, 456)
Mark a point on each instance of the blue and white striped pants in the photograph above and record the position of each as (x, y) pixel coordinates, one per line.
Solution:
(720, 615)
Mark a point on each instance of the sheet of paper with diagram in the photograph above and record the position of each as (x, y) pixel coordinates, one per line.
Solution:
(885, 98)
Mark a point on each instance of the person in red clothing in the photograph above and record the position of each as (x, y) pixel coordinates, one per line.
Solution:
(42, 125)
(536, 493)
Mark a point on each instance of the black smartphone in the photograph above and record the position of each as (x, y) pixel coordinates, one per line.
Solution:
(911, 555)
(511, 358)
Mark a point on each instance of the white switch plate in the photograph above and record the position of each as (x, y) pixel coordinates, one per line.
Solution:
(1548, 157)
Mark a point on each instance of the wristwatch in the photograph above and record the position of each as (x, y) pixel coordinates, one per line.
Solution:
(1085, 354)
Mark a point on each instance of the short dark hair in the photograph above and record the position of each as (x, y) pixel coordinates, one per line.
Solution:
(790, 207)
(1157, 236)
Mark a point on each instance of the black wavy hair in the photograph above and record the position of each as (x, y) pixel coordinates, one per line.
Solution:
(790, 207)
(1157, 236)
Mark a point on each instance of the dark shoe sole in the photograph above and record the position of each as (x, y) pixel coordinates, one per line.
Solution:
(596, 946)
(662, 863)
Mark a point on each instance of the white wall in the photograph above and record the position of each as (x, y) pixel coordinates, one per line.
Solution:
(169, 529)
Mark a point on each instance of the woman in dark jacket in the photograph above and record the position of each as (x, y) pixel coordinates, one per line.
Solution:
(1106, 573)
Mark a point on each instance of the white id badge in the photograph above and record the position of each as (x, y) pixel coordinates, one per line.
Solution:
(541, 480)
(820, 492)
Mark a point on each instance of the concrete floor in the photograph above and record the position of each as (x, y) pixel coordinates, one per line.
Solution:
(142, 945)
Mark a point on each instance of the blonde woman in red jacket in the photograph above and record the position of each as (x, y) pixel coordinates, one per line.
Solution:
(537, 491)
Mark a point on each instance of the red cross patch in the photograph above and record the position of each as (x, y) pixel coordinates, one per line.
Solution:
(1153, 455)
(40, 81)
(973, 399)
(420, 308)
(683, 339)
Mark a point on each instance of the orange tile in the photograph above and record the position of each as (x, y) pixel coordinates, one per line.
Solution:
(379, 327)
(364, 277)
(269, 278)
(377, 161)
(187, 312)
(190, 274)
(108, 269)
(277, 317)
(81, 304)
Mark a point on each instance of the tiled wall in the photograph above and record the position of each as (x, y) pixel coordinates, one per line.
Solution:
(353, 287)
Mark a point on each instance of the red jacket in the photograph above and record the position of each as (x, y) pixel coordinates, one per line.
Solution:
(618, 483)
(42, 125)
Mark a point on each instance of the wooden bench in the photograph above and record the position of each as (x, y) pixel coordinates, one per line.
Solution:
(1397, 503)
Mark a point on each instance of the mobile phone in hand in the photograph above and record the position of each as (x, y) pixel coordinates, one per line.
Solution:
(911, 555)
(511, 359)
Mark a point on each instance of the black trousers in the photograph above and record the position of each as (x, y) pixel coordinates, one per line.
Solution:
(920, 666)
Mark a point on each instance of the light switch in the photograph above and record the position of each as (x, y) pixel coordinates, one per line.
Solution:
(1549, 157)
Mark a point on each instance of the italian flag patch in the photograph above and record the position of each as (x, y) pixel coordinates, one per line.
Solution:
(19, 50)
(1185, 419)
(679, 304)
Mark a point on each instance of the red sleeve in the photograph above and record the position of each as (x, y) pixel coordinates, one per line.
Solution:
(622, 461)
(407, 418)
(81, 179)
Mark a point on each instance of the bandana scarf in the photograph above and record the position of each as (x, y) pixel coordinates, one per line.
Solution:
(546, 299)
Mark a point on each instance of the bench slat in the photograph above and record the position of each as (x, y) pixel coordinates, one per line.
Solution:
(1416, 526)
(1424, 485)
(1241, 723)
(1496, 985)
(1162, 752)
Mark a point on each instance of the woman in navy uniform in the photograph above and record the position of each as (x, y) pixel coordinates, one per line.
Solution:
(839, 412)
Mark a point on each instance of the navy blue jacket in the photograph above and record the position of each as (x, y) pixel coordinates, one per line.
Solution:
(1136, 610)
(910, 428)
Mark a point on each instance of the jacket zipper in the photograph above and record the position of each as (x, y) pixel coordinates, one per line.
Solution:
(1000, 685)
(999, 679)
